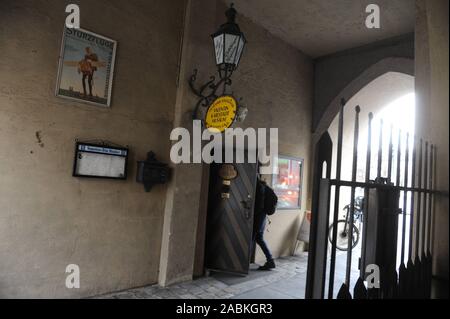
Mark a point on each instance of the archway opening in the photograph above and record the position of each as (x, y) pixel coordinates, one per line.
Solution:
(391, 100)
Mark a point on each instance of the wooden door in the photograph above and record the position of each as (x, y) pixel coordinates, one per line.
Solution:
(230, 220)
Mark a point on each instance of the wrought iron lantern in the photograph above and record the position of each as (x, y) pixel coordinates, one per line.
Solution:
(229, 43)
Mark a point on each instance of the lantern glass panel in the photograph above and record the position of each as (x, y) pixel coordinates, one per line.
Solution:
(218, 46)
(239, 50)
(231, 47)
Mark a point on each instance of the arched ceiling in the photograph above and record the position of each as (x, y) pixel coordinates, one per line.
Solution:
(322, 27)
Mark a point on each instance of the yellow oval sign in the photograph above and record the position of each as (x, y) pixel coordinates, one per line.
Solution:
(221, 113)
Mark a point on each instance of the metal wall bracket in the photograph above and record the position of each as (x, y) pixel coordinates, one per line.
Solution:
(151, 172)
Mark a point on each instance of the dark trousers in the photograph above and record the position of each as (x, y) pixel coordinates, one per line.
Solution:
(89, 80)
(258, 237)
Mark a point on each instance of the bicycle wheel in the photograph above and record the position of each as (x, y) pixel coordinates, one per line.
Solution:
(343, 228)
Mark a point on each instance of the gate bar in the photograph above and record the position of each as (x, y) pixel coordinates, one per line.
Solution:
(412, 218)
(430, 186)
(399, 157)
(373, 184)
(391, 150)
(434, 202)
(380, 149)
(352, 197)
(336, 200)
(366, 190)
(425, 185)
(430, 197)
(419, 198)
(433, 187)
(405, 198)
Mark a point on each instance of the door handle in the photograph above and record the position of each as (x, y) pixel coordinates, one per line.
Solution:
(245, 204)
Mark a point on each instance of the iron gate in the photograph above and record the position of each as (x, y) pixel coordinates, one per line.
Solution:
(381, 214)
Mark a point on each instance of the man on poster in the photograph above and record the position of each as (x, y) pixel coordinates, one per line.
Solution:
(87, 68)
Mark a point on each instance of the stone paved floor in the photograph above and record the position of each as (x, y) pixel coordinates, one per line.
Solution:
(287, 281)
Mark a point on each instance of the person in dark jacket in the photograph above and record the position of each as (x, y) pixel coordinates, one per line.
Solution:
(259, 225)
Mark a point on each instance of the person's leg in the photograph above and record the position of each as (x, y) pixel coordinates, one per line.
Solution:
(83, 80)
(256, 227)
(90, 78)
(262, 243)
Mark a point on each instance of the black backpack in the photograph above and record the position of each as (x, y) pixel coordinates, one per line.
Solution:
(270, 200)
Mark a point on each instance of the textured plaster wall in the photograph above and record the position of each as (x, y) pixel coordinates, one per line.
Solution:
(186, 196)
(49, 219)
(432, 110)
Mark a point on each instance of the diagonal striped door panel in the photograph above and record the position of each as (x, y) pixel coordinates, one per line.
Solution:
(229, 222)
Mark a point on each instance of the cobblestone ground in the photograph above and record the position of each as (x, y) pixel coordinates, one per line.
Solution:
(287, 281)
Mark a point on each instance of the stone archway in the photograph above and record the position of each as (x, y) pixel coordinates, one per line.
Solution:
(391, 64)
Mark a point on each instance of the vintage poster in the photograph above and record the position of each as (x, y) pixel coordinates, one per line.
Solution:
(86, 67)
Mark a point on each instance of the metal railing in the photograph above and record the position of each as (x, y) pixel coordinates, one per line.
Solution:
(381, 213)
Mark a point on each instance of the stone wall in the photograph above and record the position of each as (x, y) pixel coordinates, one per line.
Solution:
(432, 111)
(49, 219)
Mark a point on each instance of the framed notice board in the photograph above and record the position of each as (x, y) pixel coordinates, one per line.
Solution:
(100, 161)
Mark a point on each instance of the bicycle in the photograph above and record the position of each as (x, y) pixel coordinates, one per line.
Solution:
(343, 226)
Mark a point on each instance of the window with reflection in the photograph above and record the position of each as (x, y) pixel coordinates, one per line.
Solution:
(288, 183)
